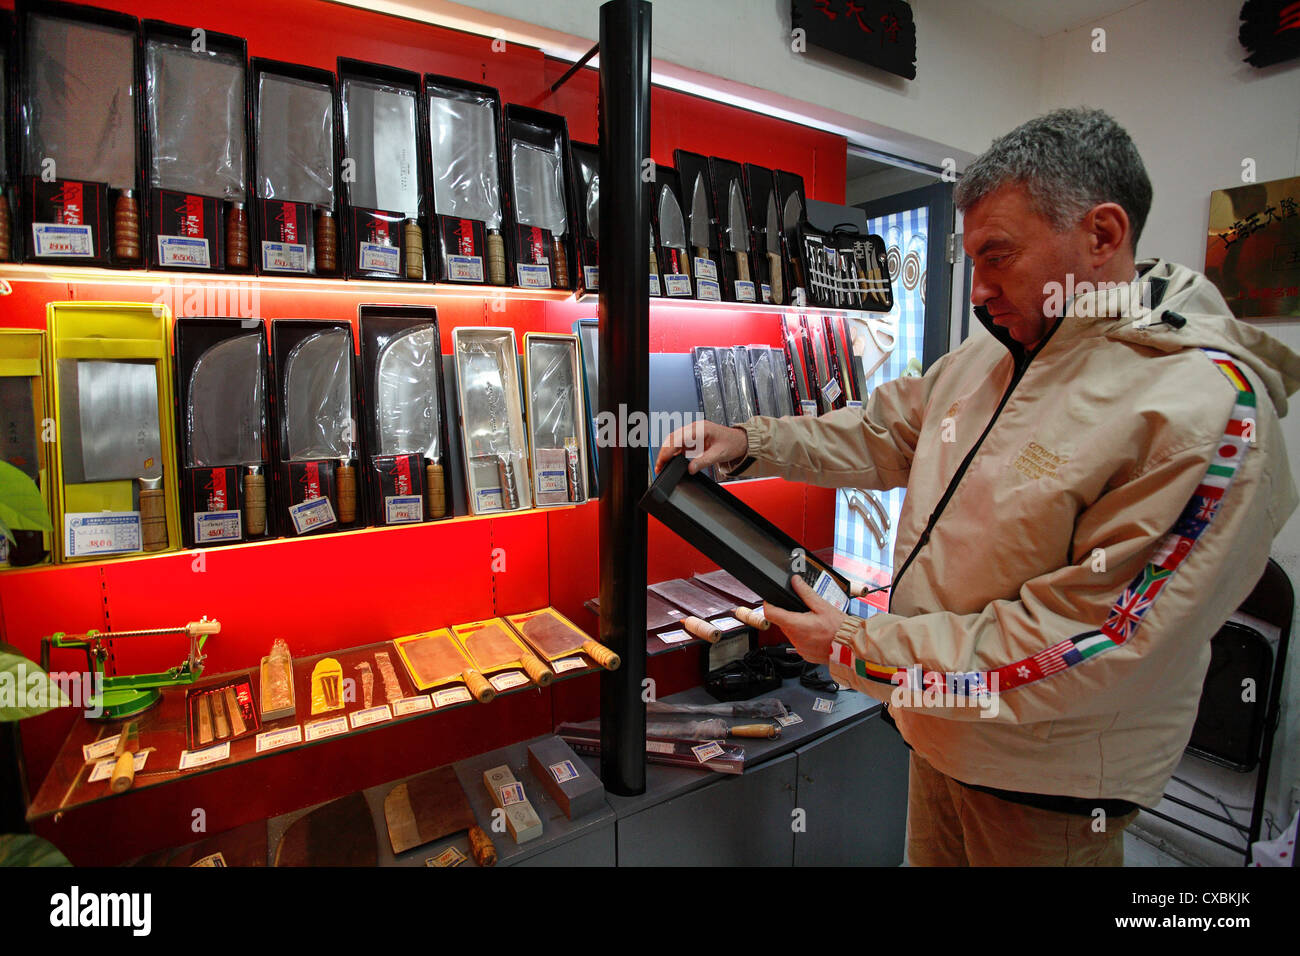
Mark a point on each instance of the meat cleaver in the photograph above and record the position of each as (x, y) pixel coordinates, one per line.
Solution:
(318, 409)
(431, 806)
(407, 406)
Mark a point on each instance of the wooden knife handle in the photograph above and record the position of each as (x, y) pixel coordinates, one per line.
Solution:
(561, 262)
(742, 266)
(481, 848)
(763, 731)
(774, 278)
(436, 491)
(685, 262)
(496, 258)
(414, 250)
(153, 519)
(123, 773)
(126, 228)
(539, 673)
(601, 654)
(346, 478)
(237, 237)
(478, 685)
(654, 262)
(255, 504)
(701, 252)
(701, 629)
(6, 230)
(751, 618)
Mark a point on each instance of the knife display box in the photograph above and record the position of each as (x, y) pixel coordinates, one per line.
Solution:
(318, 444)
(465, 195)
(116, 488)
(586, 191)
(669, 224)
(80, 137)
(405, 423)
(196, 132)
(701, 224)
(792, 201)
(217, 713)
(292, 132)
(739, 539)
(491, 420)
(734, 216)
(765, 232)
(224, 430)
(22, 405)
(383, 162)
(767, 368)
(557, 429)
(537, 163)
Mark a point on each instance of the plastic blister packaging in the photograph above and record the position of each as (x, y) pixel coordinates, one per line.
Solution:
(555, 414)
(745, 380)
(379, 138)
(760, 364)
(732, 396)
(463, 136)
(408, 379)
(295, 140)
(196, 120)
(225, 426)
(539, 187)
(491, 413)
(80, 108)
(781, 382)
(708, 379)
(317, 400)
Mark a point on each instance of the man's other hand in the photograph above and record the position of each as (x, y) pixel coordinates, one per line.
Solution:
(704, 443)
(810, 631)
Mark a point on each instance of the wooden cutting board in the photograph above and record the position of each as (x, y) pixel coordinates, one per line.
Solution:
(341, 833)
(430, 807)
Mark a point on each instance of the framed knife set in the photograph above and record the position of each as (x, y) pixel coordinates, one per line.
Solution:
(197, 149)
(537, 158)
(384, 161)
(80, 121)
(294, 161)
(22, 413)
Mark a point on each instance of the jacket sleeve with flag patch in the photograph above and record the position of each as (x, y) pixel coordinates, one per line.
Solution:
(1183, 544)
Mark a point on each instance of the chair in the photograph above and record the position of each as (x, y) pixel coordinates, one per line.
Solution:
(1220, 734)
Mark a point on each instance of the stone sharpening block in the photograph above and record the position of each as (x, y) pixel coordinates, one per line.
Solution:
(565, 777)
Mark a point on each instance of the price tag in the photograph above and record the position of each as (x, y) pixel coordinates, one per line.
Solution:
(376, 257)
(551, 481)
(591, 277)
(789, 720)
(563, 771)
(183, 251)
(320, 729)
(448, 857)
(57, 239)
(674, 637)
(511, 793)
(271, 739)
(853, 403)
(823, 706)
(568, 664)
(658, 747)
(100, 748)
(710, 291)
(104, 532)
(829, 590)
(412, 705)
(217, 526)
(487, 499)
(677, 284)
(374, 715)
(704, 752)
(312, 513)
(190, 759)
(403, 509)
(767, 293)
(284, 257)
(508, 679)
(726, 623)
(744, 291)
(808, 408)
(104, 768)
(452, 695)
(831, 391)
(465, 268)
(534, 276)
(654, 284)
(706, 269)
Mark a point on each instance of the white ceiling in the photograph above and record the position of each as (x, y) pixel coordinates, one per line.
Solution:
(1046, 17)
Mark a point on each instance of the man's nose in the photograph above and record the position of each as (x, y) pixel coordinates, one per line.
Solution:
(981, 290)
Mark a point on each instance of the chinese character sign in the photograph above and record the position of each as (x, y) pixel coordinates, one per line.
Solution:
(880, 33)
(1252, 250)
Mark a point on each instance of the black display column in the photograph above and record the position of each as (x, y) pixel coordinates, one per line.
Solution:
(624, 382)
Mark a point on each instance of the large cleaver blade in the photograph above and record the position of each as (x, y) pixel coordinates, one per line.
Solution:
(318, 408)
(491, 436)
(407, 405)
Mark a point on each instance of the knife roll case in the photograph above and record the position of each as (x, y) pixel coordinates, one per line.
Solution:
(465, 194)
(669, 221)
(586, 191)
(726, 530)
(491, 419)
(703, 249)
(196, 124)
(731, 203)
(22, 407)
(537, 157)
(319, 447)
(294, 183)
(79, 132)
(405, 424)
(223, 430)
(115, 477)
(556, 412)
(382, 159)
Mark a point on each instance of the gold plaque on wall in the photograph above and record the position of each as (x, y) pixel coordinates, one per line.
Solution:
(1252, 250)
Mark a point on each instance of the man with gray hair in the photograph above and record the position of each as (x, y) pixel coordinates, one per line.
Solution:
(1092, 489)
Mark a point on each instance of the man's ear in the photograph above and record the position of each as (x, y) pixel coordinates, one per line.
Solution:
(1108, 230)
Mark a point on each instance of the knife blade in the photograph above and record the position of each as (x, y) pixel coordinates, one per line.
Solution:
(539, 197)
(407, 405)
(295, 140)
(672, 231)
(379, 136)
(490, 438)
(593, 207)
(791, 216)
(773, 236)
(700, 218)
(318, 408)
(225, 408)
(464, 140)
(738, 231)
(18, 421)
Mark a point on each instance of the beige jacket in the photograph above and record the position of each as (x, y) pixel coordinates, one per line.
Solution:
(1065, 487)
